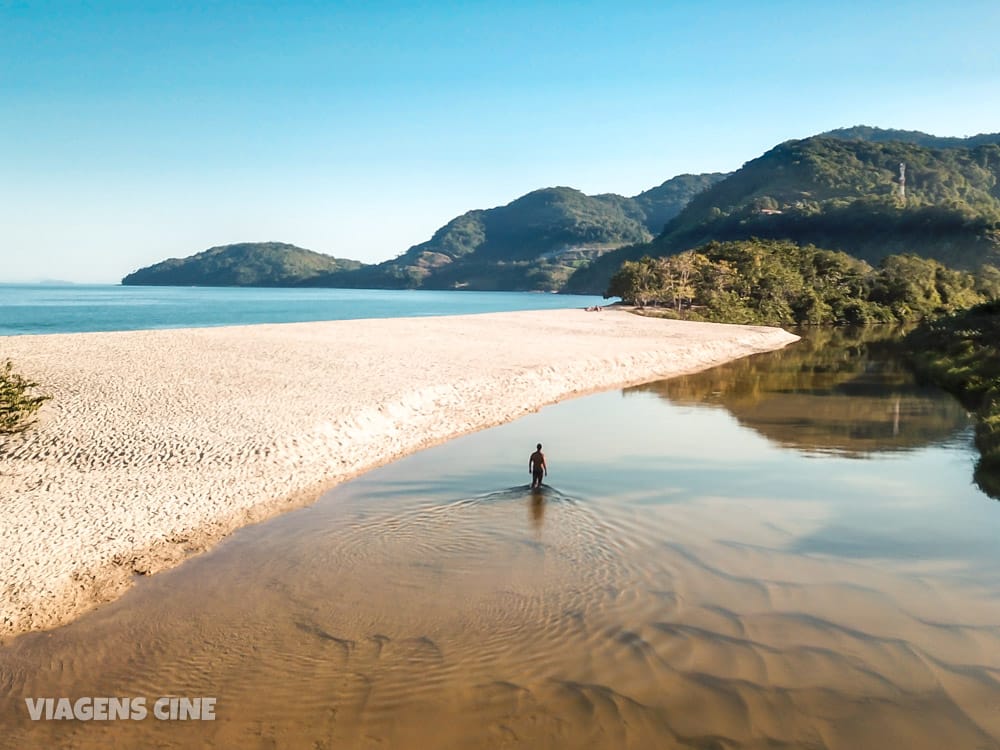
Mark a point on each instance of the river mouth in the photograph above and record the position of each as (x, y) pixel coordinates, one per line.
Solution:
(785, 553)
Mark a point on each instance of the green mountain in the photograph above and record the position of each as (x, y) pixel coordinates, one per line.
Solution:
(243, 264)
(532, 243)
(662, 203)
(882, 135)
(842, 195)
(841, 191)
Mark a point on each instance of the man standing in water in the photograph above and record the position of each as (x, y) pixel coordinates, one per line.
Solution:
(537, 468)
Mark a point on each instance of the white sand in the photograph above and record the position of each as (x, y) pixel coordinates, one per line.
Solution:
(157, 444)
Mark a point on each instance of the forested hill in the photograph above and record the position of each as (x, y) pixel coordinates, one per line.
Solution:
(882, 135)
(839, 191)
(843, 195)
(242, 264)
(533, 243)
(661, 204)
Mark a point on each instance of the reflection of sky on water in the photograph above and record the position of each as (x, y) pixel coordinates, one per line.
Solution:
(641, 453)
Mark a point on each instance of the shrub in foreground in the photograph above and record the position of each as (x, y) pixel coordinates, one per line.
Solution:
(18, 401)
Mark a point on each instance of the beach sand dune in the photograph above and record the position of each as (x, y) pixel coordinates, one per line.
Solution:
(157, 444)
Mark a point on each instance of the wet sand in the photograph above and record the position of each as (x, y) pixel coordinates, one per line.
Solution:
(157, 444)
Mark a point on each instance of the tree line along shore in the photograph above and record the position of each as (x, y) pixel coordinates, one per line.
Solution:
(961, 353)
(955, 344)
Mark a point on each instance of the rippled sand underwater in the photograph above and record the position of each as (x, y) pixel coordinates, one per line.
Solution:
(648, 598)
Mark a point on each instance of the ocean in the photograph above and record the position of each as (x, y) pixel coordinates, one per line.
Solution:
(40, 308)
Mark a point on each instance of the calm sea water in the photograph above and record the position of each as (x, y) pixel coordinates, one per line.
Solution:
(786, 551)
(26, 308)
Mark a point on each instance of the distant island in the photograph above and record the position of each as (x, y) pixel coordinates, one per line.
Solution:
(272, 264)
(864, 191)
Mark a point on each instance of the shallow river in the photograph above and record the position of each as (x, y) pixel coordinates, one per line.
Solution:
(784, 552)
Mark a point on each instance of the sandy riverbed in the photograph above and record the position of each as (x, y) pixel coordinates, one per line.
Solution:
(156, 444)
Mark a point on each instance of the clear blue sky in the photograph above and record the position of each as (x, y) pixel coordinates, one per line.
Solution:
(135, 131)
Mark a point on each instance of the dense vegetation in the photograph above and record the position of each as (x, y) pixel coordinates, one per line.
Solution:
(780, 283)
(243, 264)
(533, 243)
(18, 400)
(961, 353)
(883, 135)
(844, 195)
(661, 204)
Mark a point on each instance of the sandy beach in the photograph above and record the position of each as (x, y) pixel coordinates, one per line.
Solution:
(157, 444)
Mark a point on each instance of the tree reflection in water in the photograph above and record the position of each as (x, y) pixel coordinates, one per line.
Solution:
(837, 390)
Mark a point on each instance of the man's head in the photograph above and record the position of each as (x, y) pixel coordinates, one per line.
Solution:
(539, 446)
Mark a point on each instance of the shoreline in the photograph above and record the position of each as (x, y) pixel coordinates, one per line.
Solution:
(158, 444)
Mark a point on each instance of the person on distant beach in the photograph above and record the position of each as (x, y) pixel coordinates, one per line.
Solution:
(537, 467)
